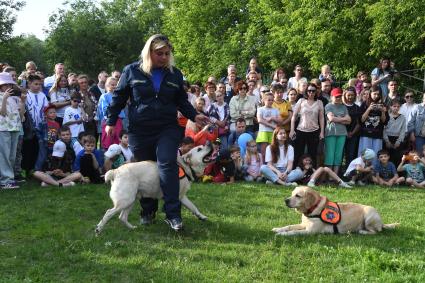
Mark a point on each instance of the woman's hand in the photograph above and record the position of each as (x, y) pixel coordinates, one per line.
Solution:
(291, 134)
(109, 130)
(202, 120)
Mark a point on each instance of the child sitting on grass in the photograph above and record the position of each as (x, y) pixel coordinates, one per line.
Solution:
(57, 169)
(113, 158)
(414, 170)
(252, 163)
(306, 174)
(360, 169)
(385, 171)
(228, 166)
(125, 149)
(89, 162)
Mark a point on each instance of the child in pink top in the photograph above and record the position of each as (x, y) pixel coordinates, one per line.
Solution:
(252, 163)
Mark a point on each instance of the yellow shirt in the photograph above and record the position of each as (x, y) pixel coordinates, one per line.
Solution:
(284, 108)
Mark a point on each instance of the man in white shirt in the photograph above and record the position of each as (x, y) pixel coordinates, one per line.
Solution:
(59, 70)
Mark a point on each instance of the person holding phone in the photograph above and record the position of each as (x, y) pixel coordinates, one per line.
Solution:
(12, 111)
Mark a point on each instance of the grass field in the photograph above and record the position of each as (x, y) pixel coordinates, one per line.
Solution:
(47, 235)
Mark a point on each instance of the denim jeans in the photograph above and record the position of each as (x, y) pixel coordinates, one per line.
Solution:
(293, 176)
(8, 141)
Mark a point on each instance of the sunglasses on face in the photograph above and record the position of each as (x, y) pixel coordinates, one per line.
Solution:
(243, 88)
(311, 90)
(408, 96)
(78, 101)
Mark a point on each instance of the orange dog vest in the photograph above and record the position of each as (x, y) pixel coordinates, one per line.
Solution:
(330, 214)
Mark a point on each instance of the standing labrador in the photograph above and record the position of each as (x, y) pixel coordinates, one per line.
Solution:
(321, 216)
(137, 179)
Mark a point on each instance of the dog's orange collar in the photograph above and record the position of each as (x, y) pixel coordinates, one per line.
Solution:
(310, 210)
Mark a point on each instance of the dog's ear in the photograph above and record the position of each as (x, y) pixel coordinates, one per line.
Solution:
(310, 198)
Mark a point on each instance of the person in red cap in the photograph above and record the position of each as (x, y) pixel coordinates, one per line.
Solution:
(337, 118)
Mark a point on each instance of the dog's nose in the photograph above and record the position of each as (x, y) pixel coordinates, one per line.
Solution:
(287, 201)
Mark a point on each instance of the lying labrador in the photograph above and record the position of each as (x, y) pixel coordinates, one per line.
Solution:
(322, 216)
(133, 180)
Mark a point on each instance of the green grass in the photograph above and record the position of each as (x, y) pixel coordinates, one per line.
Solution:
(47, 235)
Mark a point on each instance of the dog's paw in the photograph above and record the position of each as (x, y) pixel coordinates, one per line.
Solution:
(97, 231)
(132, 227)
(279, 229)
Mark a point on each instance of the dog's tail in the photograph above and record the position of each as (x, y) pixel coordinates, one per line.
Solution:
(390, 226)
(110, 176)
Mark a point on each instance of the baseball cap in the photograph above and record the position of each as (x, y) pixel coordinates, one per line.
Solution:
(336, 92)
(368, 154)
(59, 149)
(113, 150)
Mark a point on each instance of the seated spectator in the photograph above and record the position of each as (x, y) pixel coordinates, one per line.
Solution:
(77, 144)
(240, 129)
(385, 171)
(414, 169)
(229, 166)
(57, 169)
(279, 159)
(125, 149)
(113, 158)
(199, 134)
(360, 170)
(252, 163)
(186, 145)
(89, 162)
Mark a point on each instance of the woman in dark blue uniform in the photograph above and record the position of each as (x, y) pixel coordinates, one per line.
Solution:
(155, 89)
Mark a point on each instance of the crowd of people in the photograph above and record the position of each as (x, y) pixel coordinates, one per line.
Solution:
(287, 132)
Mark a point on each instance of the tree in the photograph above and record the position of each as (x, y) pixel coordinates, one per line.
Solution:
(7, 17)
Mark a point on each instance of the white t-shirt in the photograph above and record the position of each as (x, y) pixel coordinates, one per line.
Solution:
(35, 105)
(293, 82)
(265, 112)
(77, 147)
(127, 153)
(60, 96)
(283, 158)
(406, 109)
(353, 165)
(73, 114)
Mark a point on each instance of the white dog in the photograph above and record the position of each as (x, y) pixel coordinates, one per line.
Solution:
(322, 216)
(133, 180)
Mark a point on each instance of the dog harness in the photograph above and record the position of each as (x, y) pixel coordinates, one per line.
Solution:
(330, 214)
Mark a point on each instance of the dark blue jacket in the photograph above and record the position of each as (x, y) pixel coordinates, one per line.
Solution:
(148, 108)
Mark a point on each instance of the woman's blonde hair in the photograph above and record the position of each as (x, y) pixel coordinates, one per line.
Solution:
(156, 41)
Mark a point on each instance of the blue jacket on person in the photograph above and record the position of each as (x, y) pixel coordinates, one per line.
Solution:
(149, 108)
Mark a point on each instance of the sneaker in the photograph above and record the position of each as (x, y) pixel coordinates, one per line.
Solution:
(351, 183)
(147, 219)
(344, 185)
(10, 186)
(291, 184)
(311, 184)
(44, 184)
(19, 179)
(360, 183)
(176, 224)
(69, 184)
(268, 182)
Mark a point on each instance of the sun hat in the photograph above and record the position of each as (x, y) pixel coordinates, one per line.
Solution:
(6, 78)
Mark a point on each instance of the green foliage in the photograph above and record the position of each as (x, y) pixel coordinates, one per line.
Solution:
(47, 235)
(7, 17)
(18, 50)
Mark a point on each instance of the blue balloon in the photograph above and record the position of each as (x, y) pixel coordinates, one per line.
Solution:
(242, 140)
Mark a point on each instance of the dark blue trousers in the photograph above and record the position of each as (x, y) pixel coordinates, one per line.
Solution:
(160, 145)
